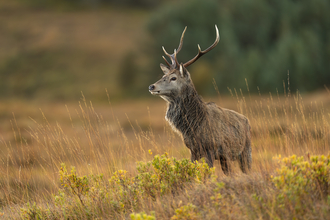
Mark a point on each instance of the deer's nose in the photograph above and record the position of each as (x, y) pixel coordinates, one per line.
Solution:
(151, 87)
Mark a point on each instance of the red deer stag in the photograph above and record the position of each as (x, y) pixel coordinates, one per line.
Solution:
(207, 130)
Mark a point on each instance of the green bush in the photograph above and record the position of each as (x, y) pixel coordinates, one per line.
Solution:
(299, 189)
(163, 175)
(124, 191)
(34, 212)
(186, 212)
(142, 216)
(75, 185)
(298, 180)
(217, 198)
(91, 196)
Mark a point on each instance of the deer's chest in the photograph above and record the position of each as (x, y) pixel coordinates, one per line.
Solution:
(180, 120)
(173, 118)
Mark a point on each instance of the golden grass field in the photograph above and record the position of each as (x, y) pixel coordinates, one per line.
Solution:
(99, 137)
(103, 138)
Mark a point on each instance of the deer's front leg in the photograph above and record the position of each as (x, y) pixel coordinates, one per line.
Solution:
(194, 156)
(209, 158)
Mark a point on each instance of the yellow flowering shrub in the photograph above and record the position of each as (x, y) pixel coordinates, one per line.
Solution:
(298, 177)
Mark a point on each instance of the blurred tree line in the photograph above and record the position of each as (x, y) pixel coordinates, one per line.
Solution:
(261, 41)
(93, 3)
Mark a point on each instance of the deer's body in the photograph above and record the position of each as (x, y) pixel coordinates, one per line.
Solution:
(207, 130)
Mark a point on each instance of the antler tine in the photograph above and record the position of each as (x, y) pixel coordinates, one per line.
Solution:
(170, 56)
(173, 58)
(181, 40)
(200, 52)
(166, 61)
(167, 54)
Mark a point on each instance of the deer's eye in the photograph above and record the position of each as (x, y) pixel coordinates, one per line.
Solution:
(173, 78)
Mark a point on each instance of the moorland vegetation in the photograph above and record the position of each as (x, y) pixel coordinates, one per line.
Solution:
(110, 155)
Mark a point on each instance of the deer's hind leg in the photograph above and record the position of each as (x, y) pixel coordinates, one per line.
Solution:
(225, 164)
(245, 158)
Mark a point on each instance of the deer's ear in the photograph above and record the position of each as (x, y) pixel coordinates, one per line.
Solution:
(165, 69)
(183, 71)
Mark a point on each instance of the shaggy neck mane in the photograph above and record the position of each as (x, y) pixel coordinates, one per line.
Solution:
(186, 111)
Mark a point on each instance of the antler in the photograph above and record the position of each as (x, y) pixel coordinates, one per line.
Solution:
(173, 58)
(200, 52)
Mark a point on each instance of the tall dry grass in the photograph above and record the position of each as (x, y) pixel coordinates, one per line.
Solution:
(105, 138)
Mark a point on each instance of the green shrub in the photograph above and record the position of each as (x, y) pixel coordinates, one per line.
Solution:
(123, 191)
(299, 180)
(75, 185)
(217, 198)
(34, 212)
(87, 196)
(142, 216)
(186, 212)
(163, 174)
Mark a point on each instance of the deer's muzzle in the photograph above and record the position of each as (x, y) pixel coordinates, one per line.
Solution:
(151, 87)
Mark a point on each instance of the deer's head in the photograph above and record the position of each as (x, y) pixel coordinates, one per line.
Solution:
(176, 77)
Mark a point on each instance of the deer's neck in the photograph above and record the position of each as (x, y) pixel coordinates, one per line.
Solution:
(186, 112)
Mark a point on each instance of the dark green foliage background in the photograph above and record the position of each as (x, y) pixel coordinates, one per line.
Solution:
(261, 40)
